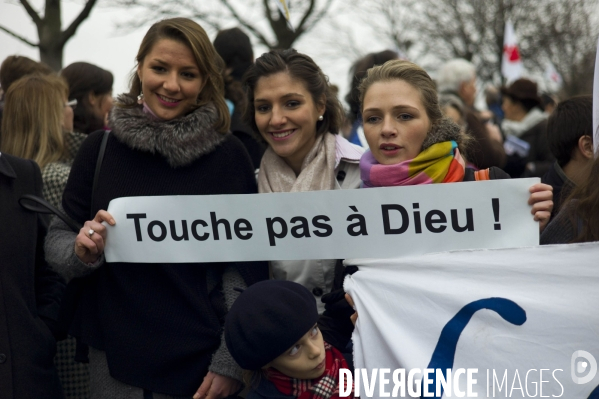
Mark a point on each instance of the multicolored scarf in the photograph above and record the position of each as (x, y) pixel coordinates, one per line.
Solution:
(440, 163)
(324, 387)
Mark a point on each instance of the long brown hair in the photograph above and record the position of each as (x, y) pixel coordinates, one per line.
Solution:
(583, 205)
(33, 119)
(210, 64)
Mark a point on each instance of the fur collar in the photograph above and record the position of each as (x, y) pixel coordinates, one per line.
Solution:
(181, 141)
(444, 130)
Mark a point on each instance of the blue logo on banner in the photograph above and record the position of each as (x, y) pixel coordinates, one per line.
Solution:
(444, 354)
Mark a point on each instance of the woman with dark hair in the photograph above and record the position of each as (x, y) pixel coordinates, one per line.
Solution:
(578, 221)
(358, 71)
(91, 86)
(235, 48)
(292, 109)
(155, 330)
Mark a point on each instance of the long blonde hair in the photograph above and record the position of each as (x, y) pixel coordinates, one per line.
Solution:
(33, 118)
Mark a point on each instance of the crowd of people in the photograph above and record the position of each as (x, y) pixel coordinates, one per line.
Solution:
(204, 118)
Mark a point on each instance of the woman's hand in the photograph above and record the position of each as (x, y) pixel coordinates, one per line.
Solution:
(216, 386)
(353, 317)
(89, 244)
(541, 199)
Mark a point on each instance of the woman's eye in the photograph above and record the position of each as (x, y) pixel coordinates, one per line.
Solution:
(158, 69)
(188, 75)
(293, 104)
(405, 117)
(294, 350)
(371, 119)
(262, 108)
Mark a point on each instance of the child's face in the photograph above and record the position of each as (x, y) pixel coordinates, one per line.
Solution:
(305, 360)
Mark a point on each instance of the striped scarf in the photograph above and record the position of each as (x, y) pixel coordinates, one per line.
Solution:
(440, 163)
(324, 387)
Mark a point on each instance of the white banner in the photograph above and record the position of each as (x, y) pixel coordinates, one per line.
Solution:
(498, 323)
(371, 223)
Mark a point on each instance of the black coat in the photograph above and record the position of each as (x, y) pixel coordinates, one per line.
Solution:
(30, 291)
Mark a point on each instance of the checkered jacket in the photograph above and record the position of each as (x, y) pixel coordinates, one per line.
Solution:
(56, 174)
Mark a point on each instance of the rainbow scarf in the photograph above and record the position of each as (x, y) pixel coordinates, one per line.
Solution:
(440, 163)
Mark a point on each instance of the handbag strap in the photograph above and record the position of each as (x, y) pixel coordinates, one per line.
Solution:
(97, 172)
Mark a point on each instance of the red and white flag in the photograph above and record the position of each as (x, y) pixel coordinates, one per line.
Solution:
(511, 65)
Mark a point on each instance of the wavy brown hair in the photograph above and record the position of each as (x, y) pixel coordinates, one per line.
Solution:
(210, 64)
(33, 119)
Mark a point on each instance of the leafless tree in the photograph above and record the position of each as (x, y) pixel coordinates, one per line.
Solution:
(51, 37)
(261, 18)
(561, 31)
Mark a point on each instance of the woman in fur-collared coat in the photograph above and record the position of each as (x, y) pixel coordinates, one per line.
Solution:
(155, 330)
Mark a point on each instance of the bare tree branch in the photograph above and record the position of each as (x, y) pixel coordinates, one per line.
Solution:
(17, 36)
(246, 24)
(70, 31)
(32, 13)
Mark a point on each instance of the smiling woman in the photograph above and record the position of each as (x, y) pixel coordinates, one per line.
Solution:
(291, 107)
(157, 327)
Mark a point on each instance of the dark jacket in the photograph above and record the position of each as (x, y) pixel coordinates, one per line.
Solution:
(267, 390)
(539, 155)
(30, 291)
(158, 323)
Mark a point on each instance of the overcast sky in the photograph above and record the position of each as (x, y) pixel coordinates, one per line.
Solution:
(98, 42)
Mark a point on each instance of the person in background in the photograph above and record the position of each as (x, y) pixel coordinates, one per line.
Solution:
(578, 221)
(15, 67)
(570, 139)
(458, 77)
(453, 108)
(493, 100)
(154, 330)
(548, 102)
(38, 125)
(91, 86)
(357, 73)
(36, 117)
(526, 122)
(235, 48)
(30, 292)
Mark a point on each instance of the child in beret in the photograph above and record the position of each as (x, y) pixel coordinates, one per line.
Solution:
(271, 331)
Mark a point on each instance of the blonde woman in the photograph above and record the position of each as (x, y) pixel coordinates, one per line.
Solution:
(36, 115)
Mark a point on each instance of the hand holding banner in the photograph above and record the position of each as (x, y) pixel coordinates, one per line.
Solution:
(368, 223)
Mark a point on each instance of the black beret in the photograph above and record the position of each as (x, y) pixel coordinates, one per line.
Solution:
(267, 319)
